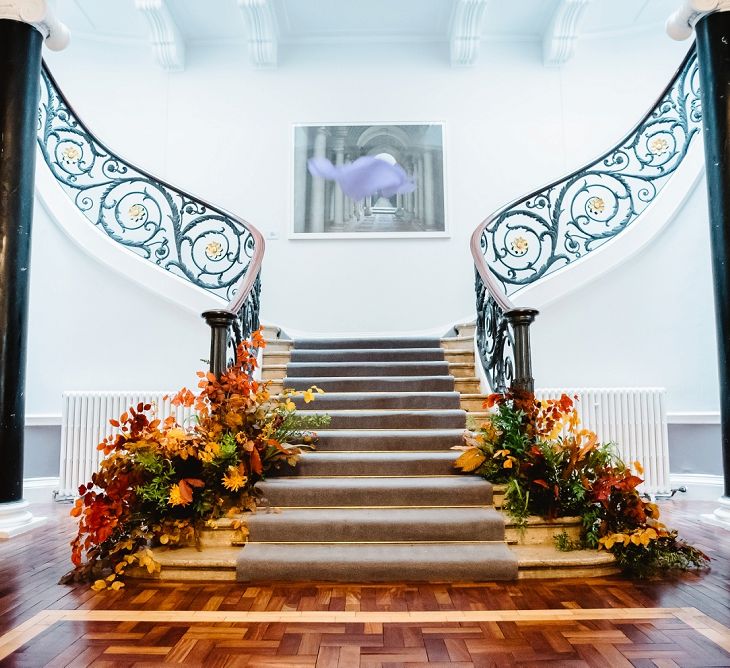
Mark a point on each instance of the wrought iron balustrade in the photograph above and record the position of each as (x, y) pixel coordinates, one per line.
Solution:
(547, 230)
(179, 233)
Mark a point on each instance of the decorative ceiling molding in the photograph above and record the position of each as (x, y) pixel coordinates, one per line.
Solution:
(466, 31)
(681, 23)
(561, 35)
(263, 31)
(38, 14)
(165, 36)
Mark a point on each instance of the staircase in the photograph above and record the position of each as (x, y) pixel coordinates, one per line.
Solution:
(379, 499)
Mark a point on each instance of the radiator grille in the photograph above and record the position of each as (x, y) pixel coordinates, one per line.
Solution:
(635, 420)
(85, 424)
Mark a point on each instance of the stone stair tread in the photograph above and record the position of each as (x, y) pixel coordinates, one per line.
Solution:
(395, 491)
(329, 525)
(375, 463)
(383, 401)
(463, 562)
(331, 384)
(366, 342)
(370, 418)
(390, 440)
(367, 354)
(420, 368)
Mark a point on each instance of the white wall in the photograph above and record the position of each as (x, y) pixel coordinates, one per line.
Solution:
(222, 130)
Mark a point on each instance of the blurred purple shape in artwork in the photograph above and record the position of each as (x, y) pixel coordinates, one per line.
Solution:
(364, 177)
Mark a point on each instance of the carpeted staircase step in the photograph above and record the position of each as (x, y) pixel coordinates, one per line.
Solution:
(382, 401)
(392, 419)
(398, 342)
(389, 562)
(374, 383)
(332, 525)
(389, 439)
(327, 369)
(369, 355)
(375, 463)
(451, 490)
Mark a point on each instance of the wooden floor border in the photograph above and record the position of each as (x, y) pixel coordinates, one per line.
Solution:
(24, 633)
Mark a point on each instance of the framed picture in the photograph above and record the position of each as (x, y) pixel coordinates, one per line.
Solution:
(347, 198)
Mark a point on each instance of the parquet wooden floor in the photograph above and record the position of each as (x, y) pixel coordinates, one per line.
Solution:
(604, 622)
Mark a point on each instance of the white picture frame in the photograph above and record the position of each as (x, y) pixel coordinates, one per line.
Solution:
(323, 211)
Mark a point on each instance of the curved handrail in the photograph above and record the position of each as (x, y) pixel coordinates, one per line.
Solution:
(182, 234)
(545, 231)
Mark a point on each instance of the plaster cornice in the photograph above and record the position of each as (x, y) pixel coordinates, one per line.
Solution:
(38, 14)
(466, 31)
(263, 31)
(165, 36)
(681, 23)
(561, 35)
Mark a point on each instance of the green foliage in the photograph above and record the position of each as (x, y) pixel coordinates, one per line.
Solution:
(564, 543)
(553, 468)
(663, 556)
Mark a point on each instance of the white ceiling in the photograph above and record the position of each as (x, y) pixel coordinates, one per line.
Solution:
(362, 21)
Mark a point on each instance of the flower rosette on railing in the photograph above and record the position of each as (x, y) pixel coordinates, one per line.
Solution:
(161, 483)
(181, 234)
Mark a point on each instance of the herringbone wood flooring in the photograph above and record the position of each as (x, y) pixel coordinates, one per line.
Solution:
(606, 622)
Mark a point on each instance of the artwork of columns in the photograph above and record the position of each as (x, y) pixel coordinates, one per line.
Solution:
(321, 208)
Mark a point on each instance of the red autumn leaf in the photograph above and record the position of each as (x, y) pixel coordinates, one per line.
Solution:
(114, 423)
(194, 482)
(256, 466)
(186, 492)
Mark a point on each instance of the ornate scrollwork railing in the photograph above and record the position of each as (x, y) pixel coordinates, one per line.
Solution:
(553, 227)
(179, 233)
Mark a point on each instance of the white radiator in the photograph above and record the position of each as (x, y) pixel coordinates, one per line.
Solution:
(635, 420)
(85, 424)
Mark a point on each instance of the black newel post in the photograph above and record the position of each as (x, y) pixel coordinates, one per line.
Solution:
(219, 322)
(20, 70)
(713, 51)
(520, 320)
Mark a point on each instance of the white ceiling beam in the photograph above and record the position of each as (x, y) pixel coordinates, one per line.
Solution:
(561, 35)
(263, 32)
(466, 31)
(165, 36)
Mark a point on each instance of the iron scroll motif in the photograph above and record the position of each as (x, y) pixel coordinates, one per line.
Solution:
(547, 230)
(178, 233)
(494, 339)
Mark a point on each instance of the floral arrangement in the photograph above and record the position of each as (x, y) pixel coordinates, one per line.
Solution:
(553, 468)
(161, 482)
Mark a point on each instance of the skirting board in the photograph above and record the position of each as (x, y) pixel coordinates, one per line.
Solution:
(700, 486)
(39, 490)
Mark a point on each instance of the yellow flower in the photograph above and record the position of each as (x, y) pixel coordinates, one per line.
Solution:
(508, 463)
(290, 405)
(234, 479)
(175, 498)
(308, 396)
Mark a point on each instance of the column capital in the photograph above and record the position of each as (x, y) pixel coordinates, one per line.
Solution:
(681, 23)
(38, 14)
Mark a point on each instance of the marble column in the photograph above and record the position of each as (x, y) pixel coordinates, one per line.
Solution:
(339, 214)
(429, 214)
(23, 28)
(316, 200)
(711, 22)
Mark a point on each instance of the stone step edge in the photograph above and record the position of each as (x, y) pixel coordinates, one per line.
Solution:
(532, 562)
